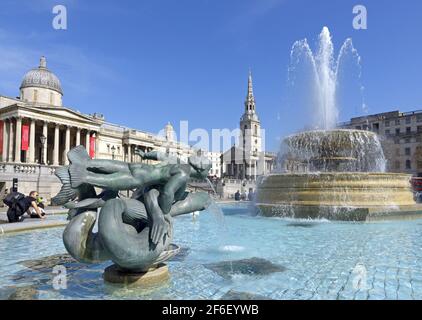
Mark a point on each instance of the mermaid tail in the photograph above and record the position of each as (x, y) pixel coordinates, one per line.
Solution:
(78, 158)
(66, 192)
(72, 178)
(167, 254)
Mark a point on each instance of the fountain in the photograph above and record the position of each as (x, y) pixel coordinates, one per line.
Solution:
(331, 173)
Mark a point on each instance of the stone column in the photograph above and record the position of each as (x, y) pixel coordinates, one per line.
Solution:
(67, 145)
(87, 140)
(31, 153)
(11, 138)
(5, 141)
(250, 170)
(78, 136)
(45, 146)
(18, 139)
(56, 145)
(254, 170)
(129, 153)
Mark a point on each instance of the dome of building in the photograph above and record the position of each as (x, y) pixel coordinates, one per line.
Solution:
(41, 77)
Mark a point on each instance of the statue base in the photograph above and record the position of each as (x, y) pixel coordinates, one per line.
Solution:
(153, 276)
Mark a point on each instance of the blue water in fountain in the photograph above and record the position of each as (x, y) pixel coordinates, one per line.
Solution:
(315, 260)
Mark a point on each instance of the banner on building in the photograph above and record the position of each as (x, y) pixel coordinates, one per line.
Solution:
(25, 137)
(2, 124)
(92, 147)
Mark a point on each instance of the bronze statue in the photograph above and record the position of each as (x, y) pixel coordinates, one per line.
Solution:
(135, 233)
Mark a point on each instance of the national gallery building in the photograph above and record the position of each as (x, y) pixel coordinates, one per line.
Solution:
(37, 131)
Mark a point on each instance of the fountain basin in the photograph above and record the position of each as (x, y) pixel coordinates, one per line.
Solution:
(351, 196)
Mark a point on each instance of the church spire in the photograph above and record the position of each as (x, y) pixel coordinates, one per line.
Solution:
(250, 99)
(250, 87)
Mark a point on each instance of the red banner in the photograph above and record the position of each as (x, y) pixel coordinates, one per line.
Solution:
(2, 124)
(25, 137)
(92, 147)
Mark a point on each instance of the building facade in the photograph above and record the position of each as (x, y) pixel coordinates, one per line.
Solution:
(37, 131)
(400, 135)
(248, 160)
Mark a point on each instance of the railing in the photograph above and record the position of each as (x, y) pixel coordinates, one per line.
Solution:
(25, 168)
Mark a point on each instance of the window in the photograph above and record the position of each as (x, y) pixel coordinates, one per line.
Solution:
(408, 130)
(387, 123)
(419, 118)
(397, 122)
(407, 151)
(387, 132)
(358, 127)
(407, 140)
(397, 165)
(35, 95)
(375, 126)
(397, 131)
(51, 97)
(419, 129)
(408, 120)
(256, 130)
(418, 138)
(419, 164)
(408, 164)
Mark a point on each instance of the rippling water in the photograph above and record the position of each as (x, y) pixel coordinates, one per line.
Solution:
(247, 256)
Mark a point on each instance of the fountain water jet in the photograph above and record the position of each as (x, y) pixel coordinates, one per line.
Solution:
(332, 173)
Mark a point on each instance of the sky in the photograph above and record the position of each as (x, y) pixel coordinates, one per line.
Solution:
(143, 63)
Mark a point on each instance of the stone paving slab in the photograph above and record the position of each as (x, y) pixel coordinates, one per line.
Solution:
(49, 212)
(30, 224)
(48, 209)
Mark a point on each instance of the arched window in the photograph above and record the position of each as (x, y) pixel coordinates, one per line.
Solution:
(256, 130)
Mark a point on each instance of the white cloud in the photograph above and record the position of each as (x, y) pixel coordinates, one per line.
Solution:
(257, 10)
(78, 71)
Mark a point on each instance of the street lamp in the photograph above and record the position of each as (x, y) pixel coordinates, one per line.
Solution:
(113, 150)
(43, 139)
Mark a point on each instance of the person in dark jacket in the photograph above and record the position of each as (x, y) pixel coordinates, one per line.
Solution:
(16, 212)
(237, 195)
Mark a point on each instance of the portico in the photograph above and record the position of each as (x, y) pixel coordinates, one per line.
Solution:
(44, 135)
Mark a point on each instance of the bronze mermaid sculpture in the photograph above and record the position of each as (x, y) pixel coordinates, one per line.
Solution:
(135, 233)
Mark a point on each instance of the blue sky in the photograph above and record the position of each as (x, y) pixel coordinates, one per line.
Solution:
(143, 63)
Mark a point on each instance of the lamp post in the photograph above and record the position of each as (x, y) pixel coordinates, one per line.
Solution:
(42, 140)
(113, 150)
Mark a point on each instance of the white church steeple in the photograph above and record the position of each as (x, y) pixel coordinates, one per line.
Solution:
(250, 127)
